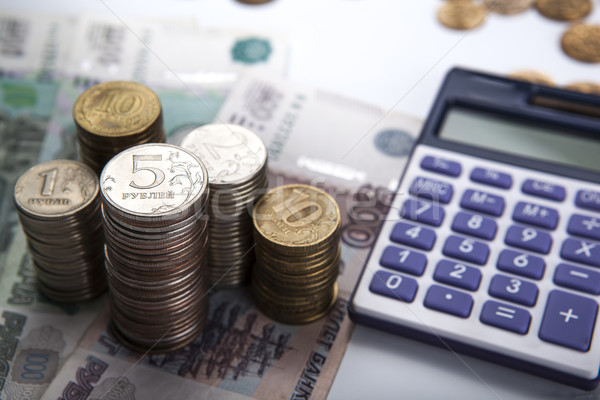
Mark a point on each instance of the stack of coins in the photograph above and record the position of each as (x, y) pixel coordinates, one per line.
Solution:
(59, 211)
(154, 199)
(113, 116)
(297, 253)
(236, 160)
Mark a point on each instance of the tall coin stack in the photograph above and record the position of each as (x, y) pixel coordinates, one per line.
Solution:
(154, 199)
(236, 160)
(59, 210)
(113, 116)
(296, 230)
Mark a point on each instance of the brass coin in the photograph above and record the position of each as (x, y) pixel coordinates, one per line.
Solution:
(532, 77)
(254, 2)
(582, 42)
(508, 7)
(116, 108)
(585, 87)
(564, 10)
(461, 15)
(296, 217)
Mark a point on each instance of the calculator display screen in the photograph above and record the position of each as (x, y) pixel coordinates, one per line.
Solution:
(520, 139)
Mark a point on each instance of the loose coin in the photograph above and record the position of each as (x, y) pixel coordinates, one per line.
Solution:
(582, 42)
(564, 10)
(508, 7)
(461, 15)
(532, 77)
(585, 87)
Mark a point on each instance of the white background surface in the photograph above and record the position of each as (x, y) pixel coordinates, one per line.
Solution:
(391, 53)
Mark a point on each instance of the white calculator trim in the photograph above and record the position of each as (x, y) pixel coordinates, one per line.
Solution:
(471, 331)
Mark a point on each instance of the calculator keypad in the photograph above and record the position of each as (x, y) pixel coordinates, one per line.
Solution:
(496, 247)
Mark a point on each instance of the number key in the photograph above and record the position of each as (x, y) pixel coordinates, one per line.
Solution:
(458, 275)
(422, 211)
(413, 235)
(393, 285)
(513, 289)
(528, 239)
(466, 249)
(522, 264)
(404, 260)
(474, 225)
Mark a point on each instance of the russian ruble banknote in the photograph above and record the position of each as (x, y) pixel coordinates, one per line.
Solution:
(34, 46)
(34, 346)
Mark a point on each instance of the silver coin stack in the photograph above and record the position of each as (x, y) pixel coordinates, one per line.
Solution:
(236, 160)
(59, 210)
(154, 199)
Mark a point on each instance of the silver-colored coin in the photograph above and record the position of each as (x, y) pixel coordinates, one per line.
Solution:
(55, 189)
(232, 154)
(153, 181)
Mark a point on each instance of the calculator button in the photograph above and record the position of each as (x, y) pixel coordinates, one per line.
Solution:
(589, 199)
(431, 189)
(543, 189)
(534, 214)
(449, 301)
(422, 211)
(528, 239)
(404, 260)
(577, 278)
(483, 202)
(513, 289)
(522, 264)
(393, 285)
(474, 225)
(413, 235)
(569, 320)
(491, 177)
(581, 251)
(441, 165)
(505, 316)
(468, 250)
(457, 274)
(581, 225)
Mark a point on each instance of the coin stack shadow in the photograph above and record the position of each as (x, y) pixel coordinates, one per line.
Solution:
(59, 210)
(236, 160)
(113, 116)
(156, 246)
(296, 230)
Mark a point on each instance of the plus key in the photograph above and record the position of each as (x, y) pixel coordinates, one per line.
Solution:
(569, 320)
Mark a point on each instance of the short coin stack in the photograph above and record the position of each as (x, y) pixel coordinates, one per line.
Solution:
(236, 160)
(59, 211)
(298, 253)
(154, 199)
(113, 116)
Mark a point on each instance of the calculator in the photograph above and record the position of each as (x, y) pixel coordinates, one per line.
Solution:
(491, 246)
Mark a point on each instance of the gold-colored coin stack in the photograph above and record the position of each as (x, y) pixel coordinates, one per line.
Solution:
(296, 229)
(154, 199)
(113, 116)
(59, 210)
(236, 160)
